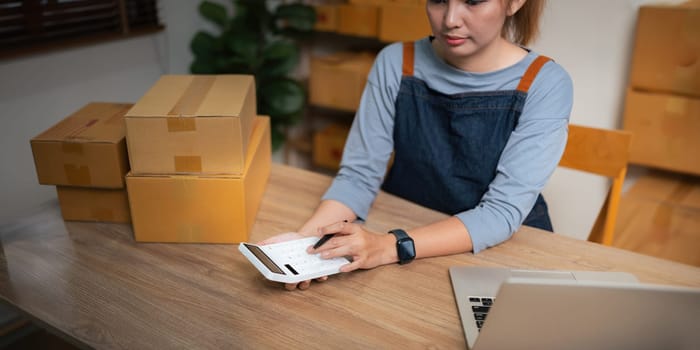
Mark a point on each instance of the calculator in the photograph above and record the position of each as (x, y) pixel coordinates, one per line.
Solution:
(289, 262)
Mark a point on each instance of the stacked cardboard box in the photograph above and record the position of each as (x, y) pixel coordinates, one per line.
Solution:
(403, 20)
(358, 20)
(328, 145)
(387, 20)
(326, 18)
(84, 155)
(662, 107)
(349, 68)
(200, 159)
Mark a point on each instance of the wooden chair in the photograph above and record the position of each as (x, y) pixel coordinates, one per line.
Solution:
(602, 152)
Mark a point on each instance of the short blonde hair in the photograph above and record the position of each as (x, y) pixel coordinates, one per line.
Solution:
(523, 27)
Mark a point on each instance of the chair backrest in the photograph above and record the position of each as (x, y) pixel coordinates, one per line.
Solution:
(602, 152)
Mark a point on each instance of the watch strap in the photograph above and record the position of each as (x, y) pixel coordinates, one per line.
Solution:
(405, 248)
(399, 233)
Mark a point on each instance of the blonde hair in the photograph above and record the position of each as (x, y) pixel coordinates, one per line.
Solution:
(524, 26)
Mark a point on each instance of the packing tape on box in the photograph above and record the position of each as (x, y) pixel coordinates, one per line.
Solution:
(179, 124)
(72, 148)
(188, 164)
(102, 214)
(77, 175)
(193, 96)
(189, 233)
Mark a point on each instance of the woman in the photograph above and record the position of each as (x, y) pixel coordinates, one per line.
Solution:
(477, 124)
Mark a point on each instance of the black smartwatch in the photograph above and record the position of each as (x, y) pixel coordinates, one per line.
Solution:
(404, 246)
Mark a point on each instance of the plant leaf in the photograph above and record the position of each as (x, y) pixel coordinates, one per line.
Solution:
(204, 44)
(214, 12)
(281, 97)
(203, 66)
(235, 65)
(295, 17)
(277, 136)
(279, 58)
(244, 45)
(251, 15)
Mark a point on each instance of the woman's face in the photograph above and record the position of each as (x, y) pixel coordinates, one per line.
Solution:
(463, 28)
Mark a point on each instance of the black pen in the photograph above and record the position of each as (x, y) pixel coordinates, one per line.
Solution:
(323, 240)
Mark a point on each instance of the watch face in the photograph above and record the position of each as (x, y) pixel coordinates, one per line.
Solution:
(406, 250)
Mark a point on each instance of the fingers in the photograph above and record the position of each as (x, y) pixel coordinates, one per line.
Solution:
(351, 266)
(365, 249)
(343, 227)
(340, 232)
(303, 285)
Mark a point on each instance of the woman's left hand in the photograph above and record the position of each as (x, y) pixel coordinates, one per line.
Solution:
(288, 236)
(367, 249)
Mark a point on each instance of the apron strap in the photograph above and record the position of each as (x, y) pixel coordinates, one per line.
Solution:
(531, 73)
(408, 54)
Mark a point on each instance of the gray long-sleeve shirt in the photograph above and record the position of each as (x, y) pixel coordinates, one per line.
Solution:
(528, 160)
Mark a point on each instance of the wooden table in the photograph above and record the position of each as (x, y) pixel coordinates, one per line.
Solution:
(91, 283)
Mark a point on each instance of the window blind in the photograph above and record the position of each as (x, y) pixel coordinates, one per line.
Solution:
(33, 24)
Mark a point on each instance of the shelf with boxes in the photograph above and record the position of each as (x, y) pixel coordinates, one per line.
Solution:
(198, 160)
(386, 20)
(337, 78)
(662, 106)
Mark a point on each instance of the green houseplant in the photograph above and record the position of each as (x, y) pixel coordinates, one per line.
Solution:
(262, 42)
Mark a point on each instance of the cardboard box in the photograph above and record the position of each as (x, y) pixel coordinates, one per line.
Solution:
(666, 130)
(384, 2)
(93, 204)
(187, 124)
(358, 20)
(202, 209)
(394, 17)
(666, 55)
(87, 148)
(326, 18)
(350, 69)
(328, 146)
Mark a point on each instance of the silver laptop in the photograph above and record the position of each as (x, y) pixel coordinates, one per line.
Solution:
(527, 309)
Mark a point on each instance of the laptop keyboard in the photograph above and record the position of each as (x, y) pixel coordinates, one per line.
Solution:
(480, 308)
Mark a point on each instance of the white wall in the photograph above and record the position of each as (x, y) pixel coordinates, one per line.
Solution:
(591, 39)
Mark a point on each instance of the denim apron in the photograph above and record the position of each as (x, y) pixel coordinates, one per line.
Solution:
(447, 147)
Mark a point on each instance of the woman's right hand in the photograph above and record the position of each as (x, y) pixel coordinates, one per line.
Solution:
(288, 236)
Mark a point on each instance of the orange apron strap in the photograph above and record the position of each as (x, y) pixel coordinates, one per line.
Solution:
(408, 53)
(531, 73)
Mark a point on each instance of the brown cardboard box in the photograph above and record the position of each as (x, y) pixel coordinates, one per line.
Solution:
(187, 124)
(666, 130)
(328, 146)
(326, 18)
(383, 2)
(394, 18)
(87, 148)
(666, 55)
(358, 20)
(346, 73)
(202, 209)
(93, 204)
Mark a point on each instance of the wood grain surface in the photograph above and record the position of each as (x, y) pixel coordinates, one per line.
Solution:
(91, 283)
